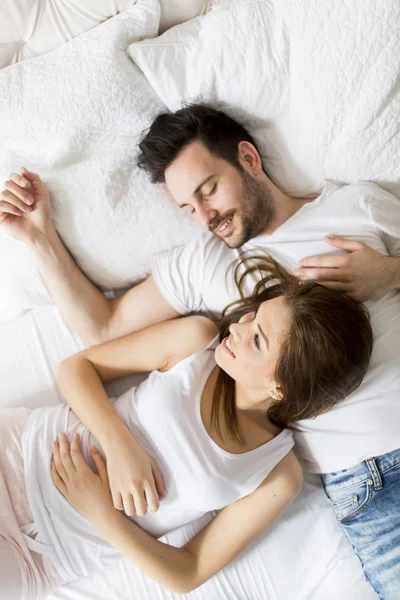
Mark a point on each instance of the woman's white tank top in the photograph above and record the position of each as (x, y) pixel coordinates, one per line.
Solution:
(163, 413)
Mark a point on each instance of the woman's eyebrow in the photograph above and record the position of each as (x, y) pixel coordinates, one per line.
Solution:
(263, 335)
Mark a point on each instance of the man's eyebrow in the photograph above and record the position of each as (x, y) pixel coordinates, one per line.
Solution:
(263, 335)
(197, 190)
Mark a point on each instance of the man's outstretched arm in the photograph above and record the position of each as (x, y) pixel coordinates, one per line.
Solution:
(25, 214)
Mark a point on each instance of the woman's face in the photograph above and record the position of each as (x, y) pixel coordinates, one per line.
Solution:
(251, 351)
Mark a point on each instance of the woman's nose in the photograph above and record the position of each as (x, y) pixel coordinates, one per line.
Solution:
(236, 331)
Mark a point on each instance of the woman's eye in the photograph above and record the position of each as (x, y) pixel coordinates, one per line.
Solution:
(256, 339)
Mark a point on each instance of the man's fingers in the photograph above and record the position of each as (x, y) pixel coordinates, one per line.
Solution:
(343, 287)
(159, 481)
(324, 260)
(343, 243)
(320, 275)
(10, 209)
(4, 217)
(20, 180)
(152, 497)
(58, 482)
(335, 285)
(19, 192)
(29, 175)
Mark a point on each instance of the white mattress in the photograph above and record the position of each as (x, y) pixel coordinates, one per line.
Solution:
(304, 557)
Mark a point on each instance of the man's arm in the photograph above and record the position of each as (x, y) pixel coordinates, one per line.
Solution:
(85, 308)
(25, 214)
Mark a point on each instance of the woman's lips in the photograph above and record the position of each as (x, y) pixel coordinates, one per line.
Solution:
(227, 346)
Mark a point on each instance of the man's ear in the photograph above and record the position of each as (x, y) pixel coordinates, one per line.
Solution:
(250, 158)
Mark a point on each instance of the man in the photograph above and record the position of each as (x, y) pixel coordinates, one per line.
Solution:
(212, 168)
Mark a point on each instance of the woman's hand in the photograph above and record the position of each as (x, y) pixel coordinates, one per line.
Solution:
(85, 490)
(135, 480)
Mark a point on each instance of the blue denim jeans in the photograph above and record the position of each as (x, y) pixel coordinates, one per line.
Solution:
(366, 501)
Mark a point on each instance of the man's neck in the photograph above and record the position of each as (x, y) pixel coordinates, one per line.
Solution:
(285, 207)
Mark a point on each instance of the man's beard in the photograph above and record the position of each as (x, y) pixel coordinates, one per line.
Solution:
(255, 212)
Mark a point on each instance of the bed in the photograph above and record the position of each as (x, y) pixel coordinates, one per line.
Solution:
(319, 88)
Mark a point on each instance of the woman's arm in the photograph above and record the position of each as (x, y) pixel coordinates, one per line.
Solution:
(178, 569)
(81, 377)
(134, 478)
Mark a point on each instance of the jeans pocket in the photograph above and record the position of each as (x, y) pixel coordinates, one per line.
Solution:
(351, 502)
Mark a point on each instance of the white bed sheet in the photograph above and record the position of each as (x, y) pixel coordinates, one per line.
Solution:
(303, 557)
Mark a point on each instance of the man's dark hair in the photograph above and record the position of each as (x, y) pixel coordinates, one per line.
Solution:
(171, 132)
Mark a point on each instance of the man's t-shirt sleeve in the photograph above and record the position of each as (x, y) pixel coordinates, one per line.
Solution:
(385, 213)
(179, 274)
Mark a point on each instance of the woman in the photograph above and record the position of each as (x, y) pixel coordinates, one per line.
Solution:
(214, 417)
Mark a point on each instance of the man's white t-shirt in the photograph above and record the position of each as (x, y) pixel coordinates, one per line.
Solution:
(198, 278)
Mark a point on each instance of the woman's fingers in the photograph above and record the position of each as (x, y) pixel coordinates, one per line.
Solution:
(140, 501)
(77, 458)
(129, 505)
(152, 497)
(100, 464)
(117, 500)
(58, 482)
(65, 454)
(58, 462)
(158, 479)
(19, 192)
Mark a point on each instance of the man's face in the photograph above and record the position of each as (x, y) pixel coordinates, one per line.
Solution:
(233, 204)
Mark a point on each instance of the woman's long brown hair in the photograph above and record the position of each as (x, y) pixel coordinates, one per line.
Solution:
(323, 357)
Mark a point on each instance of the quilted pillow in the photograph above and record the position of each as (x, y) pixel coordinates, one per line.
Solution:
(316, 82)
(75, 116)
(237, 56)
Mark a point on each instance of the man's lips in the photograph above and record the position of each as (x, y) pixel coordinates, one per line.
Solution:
(224, 225)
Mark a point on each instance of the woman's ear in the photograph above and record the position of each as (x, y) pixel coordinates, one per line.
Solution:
(276, 392)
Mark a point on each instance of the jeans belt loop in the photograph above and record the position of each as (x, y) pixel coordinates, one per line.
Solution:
(376, 476)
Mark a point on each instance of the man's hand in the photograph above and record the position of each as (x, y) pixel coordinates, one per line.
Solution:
(363, 273)
(25, 209)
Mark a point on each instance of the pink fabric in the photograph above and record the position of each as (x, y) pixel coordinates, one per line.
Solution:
(37, 578)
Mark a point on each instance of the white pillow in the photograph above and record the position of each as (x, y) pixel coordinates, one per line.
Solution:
(322, 80)
(178, 11)
(76, 116)
(237, 56)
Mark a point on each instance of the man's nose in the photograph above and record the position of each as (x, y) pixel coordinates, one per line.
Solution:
(206, 214)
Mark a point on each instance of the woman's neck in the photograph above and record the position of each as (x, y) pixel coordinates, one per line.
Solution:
(255, 428)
